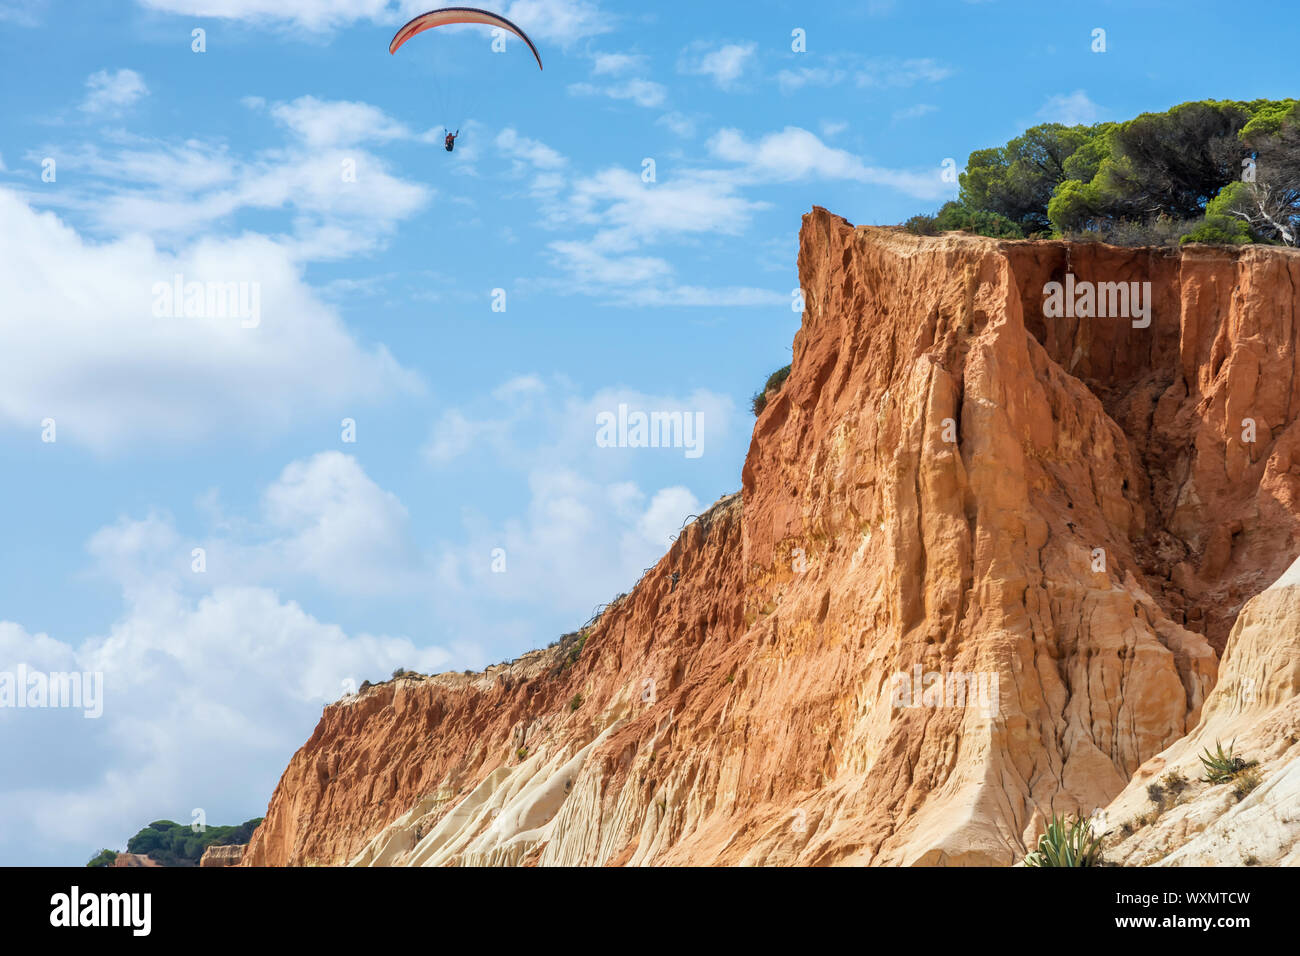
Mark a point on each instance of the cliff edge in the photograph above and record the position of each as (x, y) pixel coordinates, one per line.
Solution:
(988, 551)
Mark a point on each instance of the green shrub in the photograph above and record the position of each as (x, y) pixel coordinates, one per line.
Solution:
(922, 225)
(1246, 781)
(103, 858)
(1221, 767)
(1073, 206)
(1066, 843)
(773, 384)
(575, 703)
(172, 844)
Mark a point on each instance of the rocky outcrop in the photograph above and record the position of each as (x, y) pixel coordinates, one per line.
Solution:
(1169, 815)
(228, 855)
(978, 572)
(134, 859)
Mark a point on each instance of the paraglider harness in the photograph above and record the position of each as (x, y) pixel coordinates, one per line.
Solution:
(451, 140)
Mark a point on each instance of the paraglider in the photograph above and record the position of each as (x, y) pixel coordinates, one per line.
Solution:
(447, 16)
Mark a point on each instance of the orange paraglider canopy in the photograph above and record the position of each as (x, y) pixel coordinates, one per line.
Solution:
(449, 15)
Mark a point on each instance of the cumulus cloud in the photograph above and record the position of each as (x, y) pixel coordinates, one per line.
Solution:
(339, 526)
(866, 73)
(629, 215)
(343, 197)
(314, 15)
(321, 123)
(111, 93)
(617, 63)
(677, 123)
(645, 93)
(1070, 109)
(588, 528)
(796, 154)
(191, 688)
(915, 112)
(726, 64)
(563, 22)
(530, 151)
(90, 341)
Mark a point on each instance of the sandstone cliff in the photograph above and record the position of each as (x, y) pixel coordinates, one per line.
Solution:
(1061, 516)
(228, 855)
(1169, 815)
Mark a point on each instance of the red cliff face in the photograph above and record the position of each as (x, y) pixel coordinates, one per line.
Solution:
(978, 573)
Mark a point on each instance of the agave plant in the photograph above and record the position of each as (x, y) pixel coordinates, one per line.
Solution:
(1066, 843)
(1221, 767)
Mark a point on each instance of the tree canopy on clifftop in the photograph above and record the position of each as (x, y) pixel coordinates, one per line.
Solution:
(172, 844)
(1208, 171)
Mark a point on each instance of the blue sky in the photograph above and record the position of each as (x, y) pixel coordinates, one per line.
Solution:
(328, 561)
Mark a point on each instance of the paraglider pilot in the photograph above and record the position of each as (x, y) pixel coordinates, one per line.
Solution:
(451, 140)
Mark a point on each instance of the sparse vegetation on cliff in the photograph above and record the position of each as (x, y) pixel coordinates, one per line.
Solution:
(1222, 767)
(1066, 843)
(772, 385)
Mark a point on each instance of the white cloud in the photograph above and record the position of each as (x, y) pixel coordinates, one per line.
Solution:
(864, 72)
(315, 15)
(642, 92)
(202, 672)
(533, 423)
(342, 528)
(726, 64)
(323, 524)
(892, 73)
(338, 122)
(692, 295)
(614, 64)
(678, 123)
(1071, 109)
(627, 209)
(797, 79)
(563, 22)
(23, 13)
(588, 529)
(914, 112)
(796, 154)
(530, 151)
(111, 93)
(627, 215)
(343, 198)
(192, 689)
(589, 266)
(81, 342)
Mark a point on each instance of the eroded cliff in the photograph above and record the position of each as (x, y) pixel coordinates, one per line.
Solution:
(978, 572)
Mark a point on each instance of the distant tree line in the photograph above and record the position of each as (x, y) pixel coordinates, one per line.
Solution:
(174, 844)
(1210, 171)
